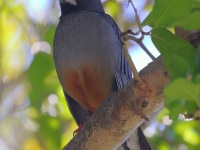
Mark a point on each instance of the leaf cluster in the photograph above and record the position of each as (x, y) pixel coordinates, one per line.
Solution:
(180, 57)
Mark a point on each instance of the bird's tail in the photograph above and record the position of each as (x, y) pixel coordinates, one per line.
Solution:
(136, 141)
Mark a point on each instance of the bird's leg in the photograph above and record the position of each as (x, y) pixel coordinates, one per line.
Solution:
(79, 129)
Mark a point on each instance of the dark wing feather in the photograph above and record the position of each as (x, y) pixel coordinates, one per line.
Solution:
(144, 145)
(122, 76)
(80, 114)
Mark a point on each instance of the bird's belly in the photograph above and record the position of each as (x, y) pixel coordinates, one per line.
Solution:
(88, 85)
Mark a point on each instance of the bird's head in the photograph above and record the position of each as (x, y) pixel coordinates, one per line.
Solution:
(68, 6)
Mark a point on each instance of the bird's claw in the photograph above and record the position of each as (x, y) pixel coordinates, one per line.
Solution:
(78, 130)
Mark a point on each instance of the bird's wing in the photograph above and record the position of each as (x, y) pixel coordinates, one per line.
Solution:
(80, 114)
(122, 76)
(144, 145)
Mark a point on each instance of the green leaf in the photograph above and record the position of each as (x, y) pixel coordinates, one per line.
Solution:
(190, 22)
(172, 43)
(112, 8)
(174, 107)
(190, 107)
(188, 132)
(197, 62)
(182, 89)
(178, 66)
(196, 4)
(197, 79)
(166, 12)
(49, 34)
(177, 107)
(40, 77)
(178, 55)
(50, 130)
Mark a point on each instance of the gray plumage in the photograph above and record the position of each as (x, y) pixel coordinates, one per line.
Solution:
(86, 36)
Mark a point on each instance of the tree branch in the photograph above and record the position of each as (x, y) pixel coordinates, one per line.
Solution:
(123, 111)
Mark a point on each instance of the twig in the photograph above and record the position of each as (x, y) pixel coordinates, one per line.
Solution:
(128, 58)
(139, 41)
(137, 18)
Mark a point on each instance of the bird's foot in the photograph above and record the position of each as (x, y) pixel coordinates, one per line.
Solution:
(79, 129)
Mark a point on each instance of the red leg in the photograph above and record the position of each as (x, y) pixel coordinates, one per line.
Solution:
(79, 129)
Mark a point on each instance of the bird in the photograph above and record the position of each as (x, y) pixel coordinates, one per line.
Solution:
(89, 61)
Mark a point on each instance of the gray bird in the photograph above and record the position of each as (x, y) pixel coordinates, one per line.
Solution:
(89, 61)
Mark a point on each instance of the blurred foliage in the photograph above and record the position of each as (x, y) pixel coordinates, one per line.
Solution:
(31, 115)
(33, 111)
(182, 61)
(179, 56)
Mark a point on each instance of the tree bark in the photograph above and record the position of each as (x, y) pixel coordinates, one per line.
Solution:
(124, 111)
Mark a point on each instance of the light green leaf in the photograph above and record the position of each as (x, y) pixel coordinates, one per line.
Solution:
(178, 55)
(38, 73)
(197, 79)
(182, 89)
(197, 62)
(178, 66)
(167, 41)
(112, 8)
(49, 127)
(190, 22)
(174, 107)
(188, 131)
(196, 4)
(166, 12)
(177, 107)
